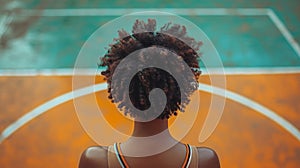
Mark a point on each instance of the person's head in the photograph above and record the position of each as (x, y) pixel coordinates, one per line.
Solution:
(145, 35)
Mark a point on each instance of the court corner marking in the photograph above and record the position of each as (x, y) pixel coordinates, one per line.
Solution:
(284, 30)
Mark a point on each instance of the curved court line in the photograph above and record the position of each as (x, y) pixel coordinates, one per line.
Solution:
(203, 87)
(47, 106)
(255, 106)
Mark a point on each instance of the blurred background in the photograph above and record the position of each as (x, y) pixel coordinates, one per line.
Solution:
(258, 42)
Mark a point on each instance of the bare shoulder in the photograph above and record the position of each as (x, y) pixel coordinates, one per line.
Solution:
(95, 156)
(207, 158)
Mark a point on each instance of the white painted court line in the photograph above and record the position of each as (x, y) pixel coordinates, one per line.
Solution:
(123, 11)
(47, 106)
(285, 32)
(255, 106)
(252, 70)
(46, 72)
(180, 11)
(203, 87)
(89, 72)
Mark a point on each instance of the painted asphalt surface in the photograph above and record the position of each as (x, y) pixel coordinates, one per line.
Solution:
(244, 137)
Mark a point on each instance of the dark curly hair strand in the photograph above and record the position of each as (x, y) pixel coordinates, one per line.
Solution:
(171, 37)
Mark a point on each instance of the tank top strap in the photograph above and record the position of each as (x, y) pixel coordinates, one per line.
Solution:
(115, 160)
(112, 159)
(194, 159)
(191, 157)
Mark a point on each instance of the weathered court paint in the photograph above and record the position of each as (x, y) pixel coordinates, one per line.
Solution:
(51, 137)
(244, 41)
(248, 37)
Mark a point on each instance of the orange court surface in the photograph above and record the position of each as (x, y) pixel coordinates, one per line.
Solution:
(243, 138)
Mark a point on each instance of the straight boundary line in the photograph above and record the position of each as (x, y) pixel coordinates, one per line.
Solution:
(284, 31)
(180, 11)
(91, 71)
(123, 11)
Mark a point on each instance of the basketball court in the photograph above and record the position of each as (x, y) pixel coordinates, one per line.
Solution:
(261, 57)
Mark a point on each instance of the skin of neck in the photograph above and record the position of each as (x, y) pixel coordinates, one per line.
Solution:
(144, 129)
(148, 137)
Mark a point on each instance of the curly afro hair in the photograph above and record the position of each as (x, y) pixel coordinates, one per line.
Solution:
(144, 35)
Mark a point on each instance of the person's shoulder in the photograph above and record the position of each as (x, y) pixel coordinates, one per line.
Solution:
(207, 157)
(95, 156)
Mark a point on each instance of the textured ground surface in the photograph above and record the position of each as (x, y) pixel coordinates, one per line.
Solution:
(243, 138)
